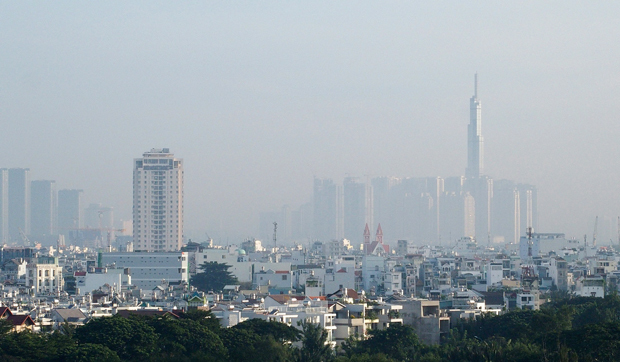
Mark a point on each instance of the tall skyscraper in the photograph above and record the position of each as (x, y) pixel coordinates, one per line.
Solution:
(43, 210)
(328, 214)
(158, 201)
(70, 213)
(506, 222)
(19, 203)
(355, 209)
(475, 141)
(4, 205)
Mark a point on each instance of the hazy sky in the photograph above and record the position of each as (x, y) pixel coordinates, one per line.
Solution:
(258, 97)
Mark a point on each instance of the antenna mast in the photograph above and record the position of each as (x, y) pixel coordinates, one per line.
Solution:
(275, 229)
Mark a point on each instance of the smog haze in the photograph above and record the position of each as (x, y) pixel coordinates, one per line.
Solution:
(260, 97)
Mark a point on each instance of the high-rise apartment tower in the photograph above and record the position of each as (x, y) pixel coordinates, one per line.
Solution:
(70, 212)
(158, 201)
(43, 210)
(475, 141)
(19, 203)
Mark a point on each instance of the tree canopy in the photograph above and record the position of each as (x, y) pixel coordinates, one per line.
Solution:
(576, 329)
(213, 276)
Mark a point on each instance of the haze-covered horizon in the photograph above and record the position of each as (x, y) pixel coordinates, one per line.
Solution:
(259, 98)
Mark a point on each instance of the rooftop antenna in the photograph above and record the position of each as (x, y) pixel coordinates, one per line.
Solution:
(528, 275)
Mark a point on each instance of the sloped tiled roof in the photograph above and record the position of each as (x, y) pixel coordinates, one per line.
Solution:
(70, 314)
(5, 312)
(20, 320)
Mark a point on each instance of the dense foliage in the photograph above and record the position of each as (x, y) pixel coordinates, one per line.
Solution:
(213, 276)
(577, 329)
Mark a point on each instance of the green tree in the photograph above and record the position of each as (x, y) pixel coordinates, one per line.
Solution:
(244, 344)
(315, 347)
(24, 346)
(280, 332)
(214, 276)
(5, 327)
(183, 337)
(397, 342)
(204, 317)
(89, 352)
(130, 338)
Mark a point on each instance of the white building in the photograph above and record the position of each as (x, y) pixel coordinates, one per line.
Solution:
(528, 300)
(590, 287)
(495, 273)
(45, 276)
(158, 201)
(148, 270)
(541, 243)
(88, 282)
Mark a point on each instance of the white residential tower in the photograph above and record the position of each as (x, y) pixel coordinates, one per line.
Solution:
(158, 201)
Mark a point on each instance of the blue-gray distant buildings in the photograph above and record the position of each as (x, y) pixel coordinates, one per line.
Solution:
(70, 212)
(19, 203)
(43, 210)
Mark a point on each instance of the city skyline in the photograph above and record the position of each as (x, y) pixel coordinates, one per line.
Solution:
(260, 99)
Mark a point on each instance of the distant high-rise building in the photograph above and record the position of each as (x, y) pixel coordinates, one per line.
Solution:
(528, 196)
(470, 215)
(302, 222)
(481, 189)
(19, 203)
(4, 206)
(43, 210)
(328, 214)
(355, 202)
(475, 141)
(506, 222)
(70, 213)
(384, 205)
(158, 201)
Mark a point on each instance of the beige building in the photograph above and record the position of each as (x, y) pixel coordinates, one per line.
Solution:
(158, 201)
(45, 276)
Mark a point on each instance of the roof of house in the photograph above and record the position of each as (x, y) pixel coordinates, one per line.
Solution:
(20, 320)
(350, 293)
(70, 315)
(493, 298)
(5, 312)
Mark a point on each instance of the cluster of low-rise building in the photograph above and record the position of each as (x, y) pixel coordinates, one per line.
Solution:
(346, 290)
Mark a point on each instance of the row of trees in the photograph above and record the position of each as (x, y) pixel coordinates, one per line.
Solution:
(578, 329)
(196, 336)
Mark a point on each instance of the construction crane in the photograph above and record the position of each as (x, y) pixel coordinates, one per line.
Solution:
(24, 238)
(595, 232)
(109, 230)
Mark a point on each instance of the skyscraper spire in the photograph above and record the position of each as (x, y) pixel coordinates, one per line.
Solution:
(476, 85)
(475, 141)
